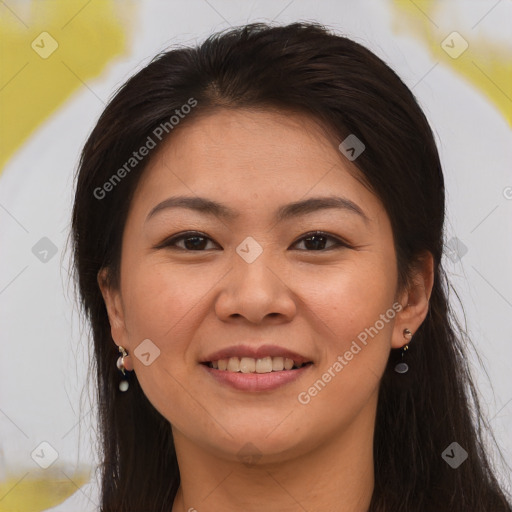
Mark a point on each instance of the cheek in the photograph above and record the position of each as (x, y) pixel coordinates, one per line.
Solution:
(161, 305)
(353, 315)
(166, 304)
(160, 299)
(347, 298)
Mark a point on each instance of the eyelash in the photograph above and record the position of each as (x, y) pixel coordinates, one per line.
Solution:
(170, 243)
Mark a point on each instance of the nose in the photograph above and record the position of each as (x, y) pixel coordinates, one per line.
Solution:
(256, 291)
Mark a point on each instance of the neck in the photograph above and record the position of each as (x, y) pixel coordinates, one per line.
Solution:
(335, 476)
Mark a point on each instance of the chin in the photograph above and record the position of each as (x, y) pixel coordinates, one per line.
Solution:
(258, 445)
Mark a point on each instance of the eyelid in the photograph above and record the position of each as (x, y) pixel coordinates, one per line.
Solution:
(339, 242)
(168, 242)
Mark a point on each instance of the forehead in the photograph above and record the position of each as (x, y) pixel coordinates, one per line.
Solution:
(231, 138)
(241, 156)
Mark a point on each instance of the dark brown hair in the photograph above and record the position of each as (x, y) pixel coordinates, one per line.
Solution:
(305, 68)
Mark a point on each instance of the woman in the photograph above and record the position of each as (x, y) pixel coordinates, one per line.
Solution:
(258, 232)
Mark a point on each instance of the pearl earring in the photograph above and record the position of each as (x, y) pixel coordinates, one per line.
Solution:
(123, 385)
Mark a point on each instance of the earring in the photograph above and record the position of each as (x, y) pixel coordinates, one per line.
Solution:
(123, 385)
(403, 367)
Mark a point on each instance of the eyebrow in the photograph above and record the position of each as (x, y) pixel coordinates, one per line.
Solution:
(288, 211)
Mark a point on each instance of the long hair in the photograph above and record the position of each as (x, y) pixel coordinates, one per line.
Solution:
(300, 67)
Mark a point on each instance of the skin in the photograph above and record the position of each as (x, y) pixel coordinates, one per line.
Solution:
(315, 456)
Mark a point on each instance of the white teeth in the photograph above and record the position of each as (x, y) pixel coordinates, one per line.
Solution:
(250, 365)
(233, 364)
(277, 364)
(264, 365)
(247, 365)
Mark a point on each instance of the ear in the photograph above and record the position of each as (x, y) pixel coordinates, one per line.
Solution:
(415, 299)
(115, 310)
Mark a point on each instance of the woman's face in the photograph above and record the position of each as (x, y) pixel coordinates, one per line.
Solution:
(254, 283)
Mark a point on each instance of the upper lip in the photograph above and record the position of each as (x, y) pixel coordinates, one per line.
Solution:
(255, 352)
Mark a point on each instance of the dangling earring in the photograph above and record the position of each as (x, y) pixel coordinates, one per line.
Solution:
(123, 385)
(403, 367)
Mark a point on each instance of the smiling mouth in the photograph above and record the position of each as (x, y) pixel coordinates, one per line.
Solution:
(252, 365)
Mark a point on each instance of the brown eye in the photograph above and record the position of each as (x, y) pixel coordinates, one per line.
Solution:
(198, 242)
(192, 241)
(317, 241)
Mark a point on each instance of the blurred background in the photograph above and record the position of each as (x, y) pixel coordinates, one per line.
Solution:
(61, 61)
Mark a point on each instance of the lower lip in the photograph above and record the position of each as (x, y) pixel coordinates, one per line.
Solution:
(256, 381)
